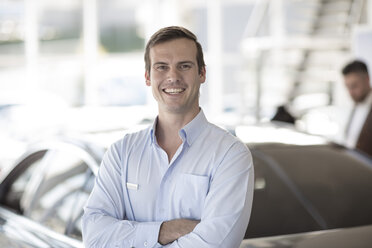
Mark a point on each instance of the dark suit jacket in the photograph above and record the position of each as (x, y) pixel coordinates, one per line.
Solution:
(364, 142)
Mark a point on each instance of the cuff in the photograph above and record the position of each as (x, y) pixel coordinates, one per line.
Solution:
(147, 235)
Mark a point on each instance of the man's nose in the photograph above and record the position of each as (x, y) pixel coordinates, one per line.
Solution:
(173, 75)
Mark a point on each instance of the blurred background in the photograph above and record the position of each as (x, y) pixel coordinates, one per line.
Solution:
(77, 66)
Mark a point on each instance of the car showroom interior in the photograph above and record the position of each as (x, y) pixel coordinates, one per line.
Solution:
(288, 79)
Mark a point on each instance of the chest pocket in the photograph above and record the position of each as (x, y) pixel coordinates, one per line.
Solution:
(190, 193)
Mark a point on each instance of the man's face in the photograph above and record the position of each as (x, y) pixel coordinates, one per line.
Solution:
(174, 76)
(358, 85)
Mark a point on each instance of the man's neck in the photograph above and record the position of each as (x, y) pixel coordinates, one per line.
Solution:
(173, 122)
(168, 127)
(367, 99)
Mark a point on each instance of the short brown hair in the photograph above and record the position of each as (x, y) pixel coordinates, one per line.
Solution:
(356, 66)
(172, 33)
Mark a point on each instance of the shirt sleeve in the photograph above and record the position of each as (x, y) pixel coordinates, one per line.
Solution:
(228, 204)
(103, 222)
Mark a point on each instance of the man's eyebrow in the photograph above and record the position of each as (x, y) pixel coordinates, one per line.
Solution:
(181, 62)
(186, 62)
(160, 63)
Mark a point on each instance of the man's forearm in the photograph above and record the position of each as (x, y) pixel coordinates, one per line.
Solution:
(174, 229)
(100, 230)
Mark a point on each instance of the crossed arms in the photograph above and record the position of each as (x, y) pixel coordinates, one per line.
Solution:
(224, 218)
(175, 229)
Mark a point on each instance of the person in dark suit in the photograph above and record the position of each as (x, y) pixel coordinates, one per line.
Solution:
(358, 132)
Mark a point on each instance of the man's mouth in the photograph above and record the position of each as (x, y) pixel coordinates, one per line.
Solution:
(173, 91)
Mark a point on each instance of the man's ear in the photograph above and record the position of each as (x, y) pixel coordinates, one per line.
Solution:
(202, 75)
(147, 78)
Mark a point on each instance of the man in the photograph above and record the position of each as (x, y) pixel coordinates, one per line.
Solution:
(182, 182)
(358, 132)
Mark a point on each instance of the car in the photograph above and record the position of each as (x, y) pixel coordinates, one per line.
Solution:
(305, 183)
(305, 187)
(51, 182)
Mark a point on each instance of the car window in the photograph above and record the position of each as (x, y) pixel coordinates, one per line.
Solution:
(16, 182)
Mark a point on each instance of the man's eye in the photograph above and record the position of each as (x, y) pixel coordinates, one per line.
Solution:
(185, 66)
(161, 67)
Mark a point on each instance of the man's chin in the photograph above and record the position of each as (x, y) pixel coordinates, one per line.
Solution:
(175, 109)
(359, 99)
(179, 110)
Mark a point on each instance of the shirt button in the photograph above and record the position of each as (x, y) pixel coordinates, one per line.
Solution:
(145, 244)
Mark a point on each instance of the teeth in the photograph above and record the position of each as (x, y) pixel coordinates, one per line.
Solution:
(173, 90)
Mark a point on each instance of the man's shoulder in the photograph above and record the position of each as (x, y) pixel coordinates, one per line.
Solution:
(226, 147)
(224, 137)
(221, 132)
(133, 137)
(139, 133)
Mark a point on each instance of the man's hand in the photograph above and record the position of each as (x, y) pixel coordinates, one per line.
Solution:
(174, 229)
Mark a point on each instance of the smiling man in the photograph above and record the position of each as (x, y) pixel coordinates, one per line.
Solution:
(182, 182)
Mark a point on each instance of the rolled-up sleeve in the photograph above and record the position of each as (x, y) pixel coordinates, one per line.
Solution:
(228, 204)
(104, 221)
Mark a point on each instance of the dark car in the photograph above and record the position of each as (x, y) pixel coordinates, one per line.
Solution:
(299, 188)
(319, 187)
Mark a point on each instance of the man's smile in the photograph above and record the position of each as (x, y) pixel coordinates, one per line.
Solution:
(174, 91)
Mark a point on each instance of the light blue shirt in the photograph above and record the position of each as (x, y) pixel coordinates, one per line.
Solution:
(210, 178)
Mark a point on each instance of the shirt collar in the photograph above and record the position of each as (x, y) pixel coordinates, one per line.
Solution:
(192, 130)
(367, 101)
(189, 132)
(369, 98)
(152, 131)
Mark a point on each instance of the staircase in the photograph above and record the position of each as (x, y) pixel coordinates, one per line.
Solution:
(314, 42)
